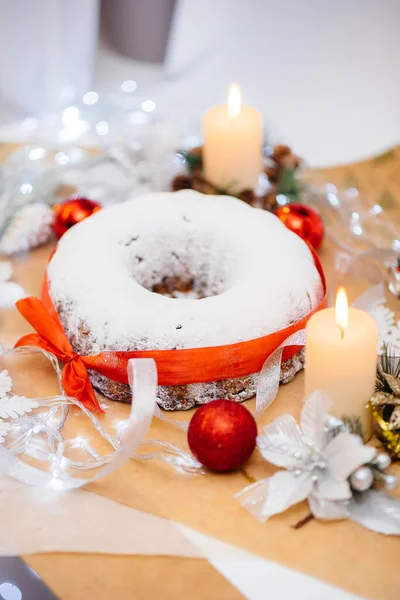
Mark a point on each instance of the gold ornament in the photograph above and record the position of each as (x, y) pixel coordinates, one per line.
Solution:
(389, 436)
(385, 403)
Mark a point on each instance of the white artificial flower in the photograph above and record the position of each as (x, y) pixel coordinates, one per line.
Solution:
(317, 467)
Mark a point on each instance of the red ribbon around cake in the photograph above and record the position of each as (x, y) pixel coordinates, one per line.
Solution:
(175, 367)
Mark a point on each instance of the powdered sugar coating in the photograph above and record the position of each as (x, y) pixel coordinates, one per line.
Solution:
(263, 274)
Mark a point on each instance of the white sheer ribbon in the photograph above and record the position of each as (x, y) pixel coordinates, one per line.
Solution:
(371, 298)
(268, 381)
(143, 378)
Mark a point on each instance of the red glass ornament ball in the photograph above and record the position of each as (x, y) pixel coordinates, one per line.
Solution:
(303, 220)
(222, 435)
(72, 211)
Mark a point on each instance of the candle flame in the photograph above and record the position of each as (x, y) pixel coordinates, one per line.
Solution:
(234, 101)
(342, 310)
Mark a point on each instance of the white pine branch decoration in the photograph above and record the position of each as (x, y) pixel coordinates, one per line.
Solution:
(5, 383)
(4, 428)
(15, 406)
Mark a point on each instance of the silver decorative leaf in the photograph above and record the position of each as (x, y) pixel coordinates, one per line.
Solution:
(276, 494)
(332, 489)
(377, 511)
(345, 453)
(252, 498)
(312, 417)
(281, 443)
(284, 490)
(327, 510)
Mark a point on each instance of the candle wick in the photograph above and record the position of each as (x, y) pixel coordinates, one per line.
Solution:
(341, 329)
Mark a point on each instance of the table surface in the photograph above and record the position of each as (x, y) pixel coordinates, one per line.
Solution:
(207, 505)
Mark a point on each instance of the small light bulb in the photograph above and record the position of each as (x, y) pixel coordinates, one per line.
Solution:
(90, 98)
(148, 105)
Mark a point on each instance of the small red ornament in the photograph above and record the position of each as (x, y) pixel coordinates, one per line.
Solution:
(303, 220)
(71, 212)
(222, 435)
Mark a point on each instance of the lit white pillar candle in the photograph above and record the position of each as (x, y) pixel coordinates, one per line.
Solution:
(233, 140)
(341, 357)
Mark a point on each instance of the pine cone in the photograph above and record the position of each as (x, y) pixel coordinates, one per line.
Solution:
(194, 158)
(279, 152)
(202, 185)
(197, 151)
(182, 182)
(197, 172)
(272, 173)
(290, 161)
(269, 201)
(247, 196)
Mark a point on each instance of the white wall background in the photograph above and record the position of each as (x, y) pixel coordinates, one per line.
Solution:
(325, 74)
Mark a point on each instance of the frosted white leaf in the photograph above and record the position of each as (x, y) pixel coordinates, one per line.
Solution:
(5, 383)
(373, 301)
(16, 406)
(389, 329)
(5, 271)
(345, 453)
(313, 415)
(327, 510)
(377, 511)
(4, 429)
(281, 443)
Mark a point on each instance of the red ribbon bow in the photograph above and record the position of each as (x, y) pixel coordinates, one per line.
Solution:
(51, 337)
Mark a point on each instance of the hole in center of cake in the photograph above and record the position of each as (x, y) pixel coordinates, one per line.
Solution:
(175, 286)
(186, 285)
(193, 272)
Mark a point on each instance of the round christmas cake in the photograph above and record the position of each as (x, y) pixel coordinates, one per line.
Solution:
(166, 271)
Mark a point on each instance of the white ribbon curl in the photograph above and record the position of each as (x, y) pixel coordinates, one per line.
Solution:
(143, 380)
